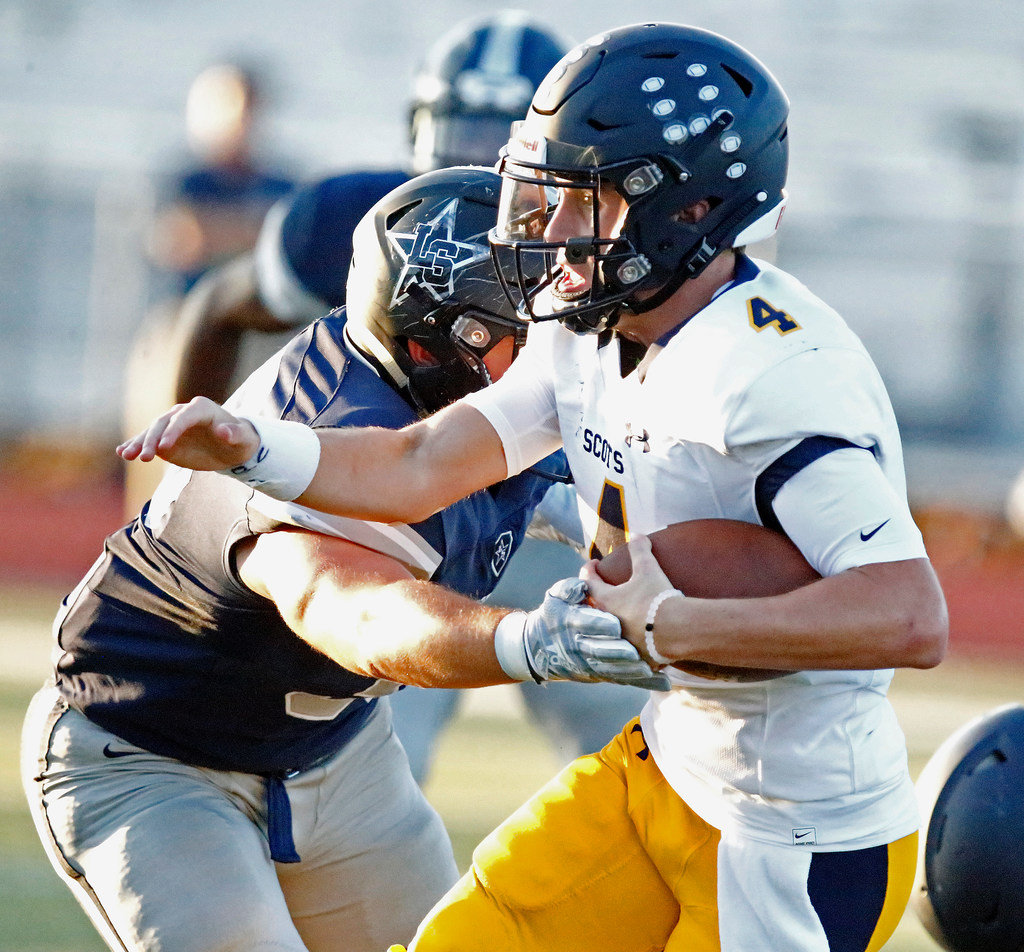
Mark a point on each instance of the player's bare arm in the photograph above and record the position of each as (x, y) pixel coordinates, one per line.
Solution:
(212, 321)
(406, 475)
(387, 475)
(368, 613)
(882, 615)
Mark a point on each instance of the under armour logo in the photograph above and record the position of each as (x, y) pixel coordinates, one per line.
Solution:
(645, 439)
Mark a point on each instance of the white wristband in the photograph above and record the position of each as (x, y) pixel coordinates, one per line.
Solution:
(286, 461)
(510, 646)
(652, 611)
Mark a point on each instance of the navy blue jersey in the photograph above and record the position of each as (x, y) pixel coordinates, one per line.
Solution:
(163, 645)
(241, 191)
(316, 231)
(236, 186)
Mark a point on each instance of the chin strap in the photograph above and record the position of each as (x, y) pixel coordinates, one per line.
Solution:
(697, 258)
(691, 266)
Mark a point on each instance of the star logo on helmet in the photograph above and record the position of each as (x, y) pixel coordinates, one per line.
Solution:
(432, 256)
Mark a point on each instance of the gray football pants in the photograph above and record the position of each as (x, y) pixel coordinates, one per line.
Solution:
(165, 857)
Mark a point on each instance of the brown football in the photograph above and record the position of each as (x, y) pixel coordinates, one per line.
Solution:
(720, 558)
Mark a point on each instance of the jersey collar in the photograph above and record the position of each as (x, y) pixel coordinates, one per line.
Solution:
(746, 271)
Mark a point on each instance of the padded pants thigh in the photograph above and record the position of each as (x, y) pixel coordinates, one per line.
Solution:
(570, 870)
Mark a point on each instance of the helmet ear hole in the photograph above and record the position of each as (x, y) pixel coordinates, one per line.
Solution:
(697, 211)
(745, 85)
(419, 354)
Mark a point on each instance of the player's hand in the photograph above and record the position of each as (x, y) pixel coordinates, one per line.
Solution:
(566, 640)
(630, 600)
(200, 434)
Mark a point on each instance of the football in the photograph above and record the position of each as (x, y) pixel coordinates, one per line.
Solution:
(720, 558)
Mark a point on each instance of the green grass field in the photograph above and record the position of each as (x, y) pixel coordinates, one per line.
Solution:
(489, 762)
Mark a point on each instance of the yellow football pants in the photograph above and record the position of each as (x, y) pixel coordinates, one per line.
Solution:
(608, 858)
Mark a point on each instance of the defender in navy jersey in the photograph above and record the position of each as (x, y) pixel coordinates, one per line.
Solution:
(214, 721)
(474, 82)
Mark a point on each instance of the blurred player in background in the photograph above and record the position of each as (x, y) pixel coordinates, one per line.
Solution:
(684, 380)
(212, 211)
(474, 82)
(215, 209)
(210, 768)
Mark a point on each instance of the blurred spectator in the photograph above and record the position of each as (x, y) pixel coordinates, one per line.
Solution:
(471, 85)
(1015, 505)
(213, 213)
(215, 208)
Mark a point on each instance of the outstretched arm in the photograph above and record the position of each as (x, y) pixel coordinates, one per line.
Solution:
(367, 613)
(367, 473)
(409, 474)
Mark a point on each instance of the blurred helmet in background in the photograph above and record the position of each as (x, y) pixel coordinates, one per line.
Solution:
(474, 83)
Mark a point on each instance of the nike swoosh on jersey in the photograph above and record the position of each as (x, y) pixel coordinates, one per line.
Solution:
(109, 752)
(864, 536)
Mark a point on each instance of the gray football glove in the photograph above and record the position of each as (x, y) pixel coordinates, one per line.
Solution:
(565, 640)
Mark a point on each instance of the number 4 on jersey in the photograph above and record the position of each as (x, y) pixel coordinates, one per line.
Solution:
(763, 315)
(611, 525)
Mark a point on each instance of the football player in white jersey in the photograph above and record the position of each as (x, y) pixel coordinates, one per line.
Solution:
(684, 379)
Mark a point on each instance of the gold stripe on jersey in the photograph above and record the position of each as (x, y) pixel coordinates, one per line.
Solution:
(612, 523)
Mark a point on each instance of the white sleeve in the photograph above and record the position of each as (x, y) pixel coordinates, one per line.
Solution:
(280, 290)
(521, 406)
(842, 512)
(823, 392)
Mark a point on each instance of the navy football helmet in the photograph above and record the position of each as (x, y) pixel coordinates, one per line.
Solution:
(421, 278)
(666, 116)
(969, 892)
(474, 83)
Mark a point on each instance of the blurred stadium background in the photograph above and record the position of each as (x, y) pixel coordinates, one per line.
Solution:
(906, 214)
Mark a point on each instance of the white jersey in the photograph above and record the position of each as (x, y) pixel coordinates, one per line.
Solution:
(718, 429)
